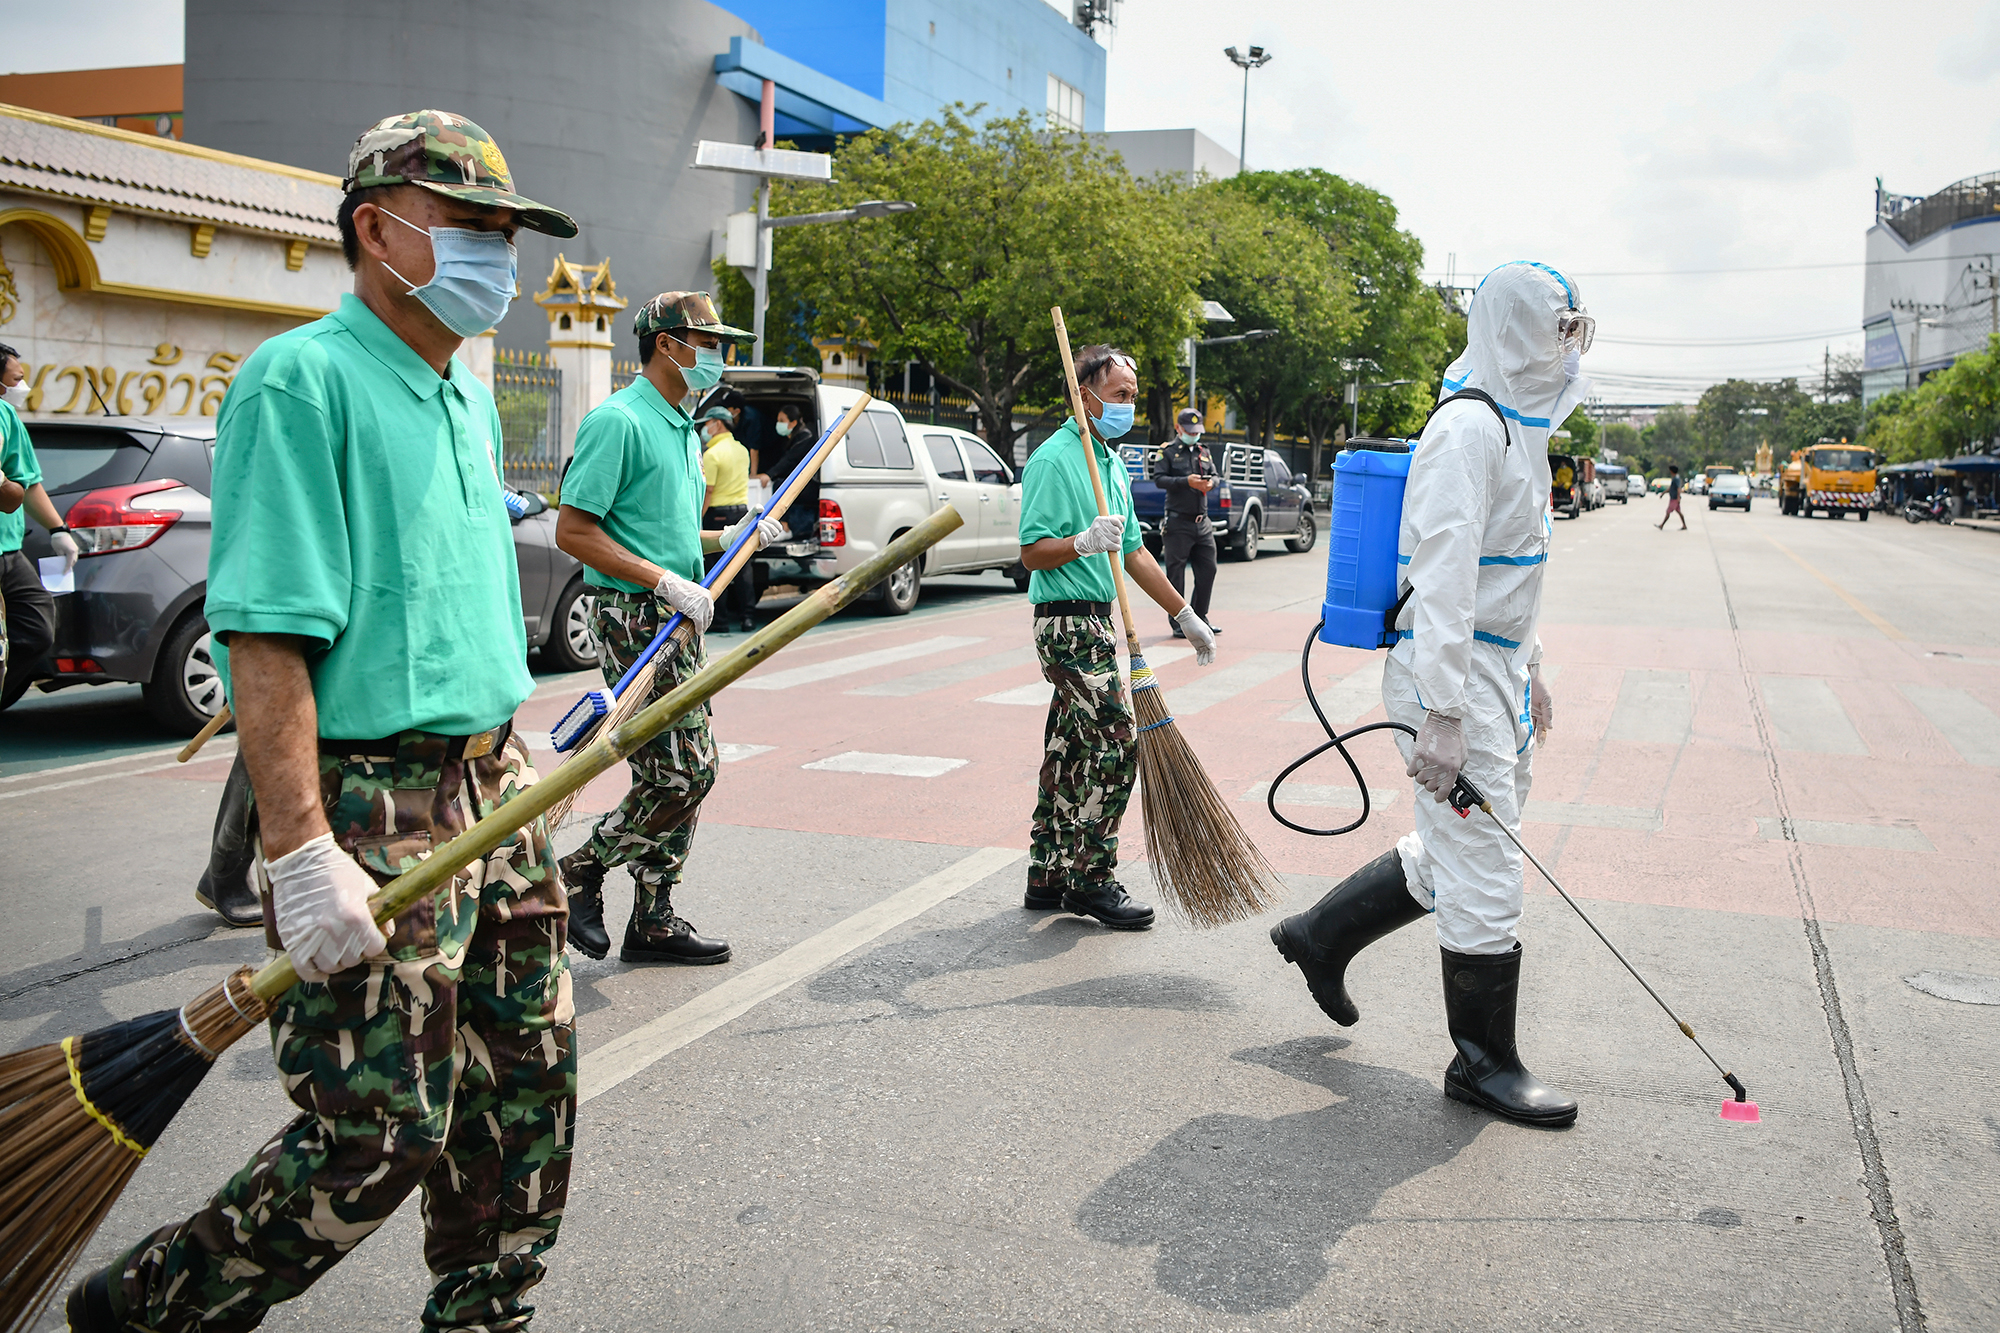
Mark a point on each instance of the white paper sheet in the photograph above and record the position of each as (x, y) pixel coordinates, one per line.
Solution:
(55, 578)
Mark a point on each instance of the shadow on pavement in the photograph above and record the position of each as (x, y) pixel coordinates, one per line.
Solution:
(1244, 1210)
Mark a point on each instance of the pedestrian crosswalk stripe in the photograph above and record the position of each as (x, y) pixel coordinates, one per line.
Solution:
(957, 673)
(730, 753)
(1968, 724)
(1348, 701)
(890, 765)
(1654, 708)
(1307, 793)
(814, 672)
(1828, 833)
(1219, 684)
(1037, 693)
(1808, 716)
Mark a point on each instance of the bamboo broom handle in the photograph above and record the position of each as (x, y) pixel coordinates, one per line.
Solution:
(204, 736)
(1096, 482)
(611, 747)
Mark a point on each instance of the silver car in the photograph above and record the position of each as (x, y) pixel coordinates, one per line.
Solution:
(135, 491)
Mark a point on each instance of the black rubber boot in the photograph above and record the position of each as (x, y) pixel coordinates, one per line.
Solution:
(1109, 903)
(88, 1309)
(225, 887)
(1480, 991)
(1042, 898)
(583, 878)
(1361, 909)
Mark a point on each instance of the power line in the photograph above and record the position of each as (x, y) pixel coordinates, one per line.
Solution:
(1764, 268)
(1850, 331)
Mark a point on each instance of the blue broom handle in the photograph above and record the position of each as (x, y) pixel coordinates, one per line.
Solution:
(807, 465)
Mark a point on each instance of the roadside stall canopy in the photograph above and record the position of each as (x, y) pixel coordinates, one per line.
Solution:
(1986, 463)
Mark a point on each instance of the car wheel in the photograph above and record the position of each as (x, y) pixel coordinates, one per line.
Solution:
(1864, 516)
(1253, 532)
(1308, 534)
(186, 689)
(902, 588)
(572, 644)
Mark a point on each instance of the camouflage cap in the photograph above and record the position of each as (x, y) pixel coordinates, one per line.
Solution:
(449, 155)
(685, 310)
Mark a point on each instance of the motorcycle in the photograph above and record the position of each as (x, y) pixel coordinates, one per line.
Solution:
(1937, 509)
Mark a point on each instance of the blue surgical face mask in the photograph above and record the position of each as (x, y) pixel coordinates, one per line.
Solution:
(1117, 419)
(473, 280)
(706, 372)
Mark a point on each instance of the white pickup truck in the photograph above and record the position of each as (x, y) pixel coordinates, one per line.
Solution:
(887, 476)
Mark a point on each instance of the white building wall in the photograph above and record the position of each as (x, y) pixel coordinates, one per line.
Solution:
(1946, 275)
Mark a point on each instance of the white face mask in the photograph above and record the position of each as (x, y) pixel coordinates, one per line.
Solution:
(17, 394)
(1187, 438)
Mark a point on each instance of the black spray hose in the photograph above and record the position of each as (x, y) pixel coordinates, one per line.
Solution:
(1464, 798)
(1334, 741)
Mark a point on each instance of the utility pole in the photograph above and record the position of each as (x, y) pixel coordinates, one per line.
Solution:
(1258, 56)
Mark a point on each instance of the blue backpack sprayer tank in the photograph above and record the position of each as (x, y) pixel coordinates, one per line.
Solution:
(1360, 609)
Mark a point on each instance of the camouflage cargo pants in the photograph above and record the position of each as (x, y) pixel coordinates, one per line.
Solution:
(1090, 755)
(449, 1065)
(653, 827)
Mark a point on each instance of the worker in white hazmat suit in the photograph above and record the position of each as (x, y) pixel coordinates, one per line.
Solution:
(1465, 672)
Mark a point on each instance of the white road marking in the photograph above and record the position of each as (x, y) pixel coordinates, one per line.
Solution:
(605, 1067)
(1808, 716)
(110, 777)
(1222, 683)
(1348, 701)
(1592, 816)
(1826, 833)
(1306, 793)
(730, 752)
(1967, 723)
(889, 765)
(937, 678)
(847, 666)
(1964, 987)
(535, 740)
(1654, 708)
(1037, 693)
(118, 759)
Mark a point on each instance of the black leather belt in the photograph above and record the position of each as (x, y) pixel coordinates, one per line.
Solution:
(1044, 610)
(456, 748)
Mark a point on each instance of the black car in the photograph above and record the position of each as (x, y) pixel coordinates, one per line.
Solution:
(135, 493)
(1259, 497)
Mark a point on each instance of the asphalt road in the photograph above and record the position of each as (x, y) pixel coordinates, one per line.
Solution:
(908, 1104)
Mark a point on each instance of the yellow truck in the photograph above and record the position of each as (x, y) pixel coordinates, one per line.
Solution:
(1831, 479)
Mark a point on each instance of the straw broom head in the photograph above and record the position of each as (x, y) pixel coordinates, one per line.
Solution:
(1203, 861)
(76, 1117)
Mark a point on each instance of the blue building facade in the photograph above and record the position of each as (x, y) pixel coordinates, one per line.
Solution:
(908, 58)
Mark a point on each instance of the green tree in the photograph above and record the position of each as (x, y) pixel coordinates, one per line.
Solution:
(1270, 272)
(1405, 329)
(1733, 417)
(1952, 412)
(1624, 440)
(1009, 222)
(1809, 423)
(1670, 441)
(1582, 440)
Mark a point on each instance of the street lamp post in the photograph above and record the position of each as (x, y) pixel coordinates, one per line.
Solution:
(1257, 57)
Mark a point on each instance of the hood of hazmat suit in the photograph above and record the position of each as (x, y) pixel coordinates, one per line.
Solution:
(1474, 542)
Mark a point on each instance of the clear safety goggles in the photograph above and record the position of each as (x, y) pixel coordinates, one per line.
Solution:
(1576, 324)
(1090, 370)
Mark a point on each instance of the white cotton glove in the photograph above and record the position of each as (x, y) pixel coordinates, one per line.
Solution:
(1439, 755)
(65, 546)
(321, 896)
(1198, 633)
(1541, 705)
(1105, 534)
(769, 531)
(687, 597)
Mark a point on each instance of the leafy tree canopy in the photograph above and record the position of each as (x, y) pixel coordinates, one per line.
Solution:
(1955, 411)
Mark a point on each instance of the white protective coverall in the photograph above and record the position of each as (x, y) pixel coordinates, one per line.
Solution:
(1475, 539)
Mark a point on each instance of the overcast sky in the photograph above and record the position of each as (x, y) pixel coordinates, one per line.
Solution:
(1704, 136)
(1605, 141)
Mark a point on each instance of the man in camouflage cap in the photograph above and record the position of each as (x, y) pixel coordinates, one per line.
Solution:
(632, 513)
(363, 585)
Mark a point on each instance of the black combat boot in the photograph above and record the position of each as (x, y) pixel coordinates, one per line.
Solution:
(1042, 897)
(662, 936)
(88, 1309)
(225, 887)
(1108, 902)
(1479, 995)
(583, 878)
(1361, 909)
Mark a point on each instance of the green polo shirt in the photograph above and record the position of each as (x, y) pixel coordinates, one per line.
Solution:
(357, 505)
(637, 469)
(17, 463)
(1057, 500)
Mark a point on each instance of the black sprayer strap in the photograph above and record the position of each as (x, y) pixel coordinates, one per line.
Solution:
(1394, 613)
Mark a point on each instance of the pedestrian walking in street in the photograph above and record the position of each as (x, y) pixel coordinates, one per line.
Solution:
(362, 581)
(1465, 676)
(1089, 743)
(1186, 474)
(725, 470)
(27, 610)
(1673, 499)
(632, 513)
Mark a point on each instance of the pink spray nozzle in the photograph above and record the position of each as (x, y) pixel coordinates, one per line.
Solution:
(1743, 1111)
